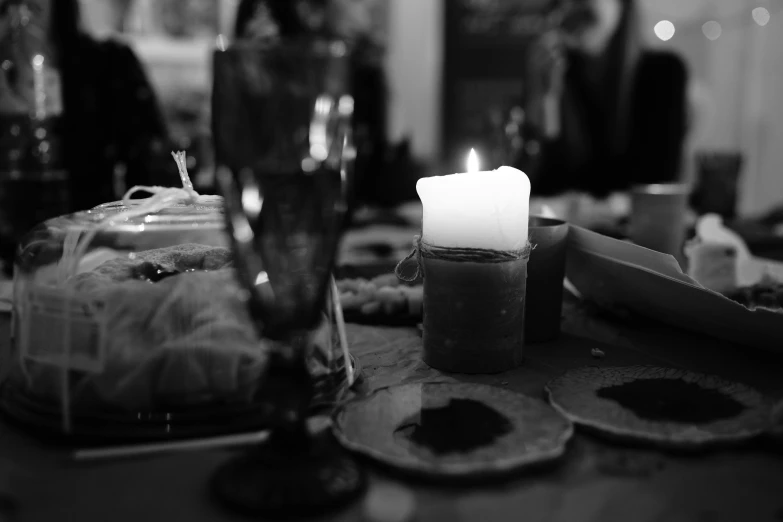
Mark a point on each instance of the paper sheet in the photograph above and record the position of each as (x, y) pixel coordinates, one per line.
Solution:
(619, 275)
(626, 252)
(751, 268)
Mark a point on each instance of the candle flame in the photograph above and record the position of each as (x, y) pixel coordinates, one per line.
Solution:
(473, 161)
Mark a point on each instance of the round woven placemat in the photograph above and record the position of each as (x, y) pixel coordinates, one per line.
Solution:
(452, 429)
(660, 406)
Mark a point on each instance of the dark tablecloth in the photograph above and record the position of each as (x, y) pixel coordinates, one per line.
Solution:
(596, 481)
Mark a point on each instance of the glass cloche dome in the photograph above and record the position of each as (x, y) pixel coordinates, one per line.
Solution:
(128, 322)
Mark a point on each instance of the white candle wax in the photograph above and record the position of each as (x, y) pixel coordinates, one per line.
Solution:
(476, 209)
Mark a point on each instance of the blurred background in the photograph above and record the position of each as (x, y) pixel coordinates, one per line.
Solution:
(442, 90)
(455, 75)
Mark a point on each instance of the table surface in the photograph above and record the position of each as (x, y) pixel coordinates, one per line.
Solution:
(595, 481)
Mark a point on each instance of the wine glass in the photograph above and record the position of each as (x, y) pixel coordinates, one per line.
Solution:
(281, 125)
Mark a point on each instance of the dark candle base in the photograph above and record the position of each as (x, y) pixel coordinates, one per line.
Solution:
(474, 315)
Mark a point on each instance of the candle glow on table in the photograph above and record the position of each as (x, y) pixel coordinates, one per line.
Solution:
(476, 209)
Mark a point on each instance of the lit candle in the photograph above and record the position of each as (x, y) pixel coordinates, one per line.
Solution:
(474, 255)
(476, 209)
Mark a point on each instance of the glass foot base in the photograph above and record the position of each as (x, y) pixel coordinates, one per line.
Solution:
(283, 481)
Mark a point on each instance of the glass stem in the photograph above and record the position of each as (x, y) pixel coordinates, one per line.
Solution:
(288, 380)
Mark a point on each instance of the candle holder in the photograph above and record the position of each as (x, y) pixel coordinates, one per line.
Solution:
(658, 217)
(546, 271)
(474, 307)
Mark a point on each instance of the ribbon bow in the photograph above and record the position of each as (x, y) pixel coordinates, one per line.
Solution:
(76, 244)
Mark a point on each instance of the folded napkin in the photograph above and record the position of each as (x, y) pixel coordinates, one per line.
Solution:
(747, 269)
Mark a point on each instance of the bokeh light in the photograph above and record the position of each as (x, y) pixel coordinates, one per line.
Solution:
(712, 30)
(761, 16)
(664, 30)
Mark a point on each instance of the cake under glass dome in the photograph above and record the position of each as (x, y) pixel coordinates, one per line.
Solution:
(130, 324)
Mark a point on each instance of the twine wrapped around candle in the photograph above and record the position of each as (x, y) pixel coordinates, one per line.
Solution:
(474, 303)
(457, 254)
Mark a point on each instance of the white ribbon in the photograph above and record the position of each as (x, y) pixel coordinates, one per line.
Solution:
(75, 246)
